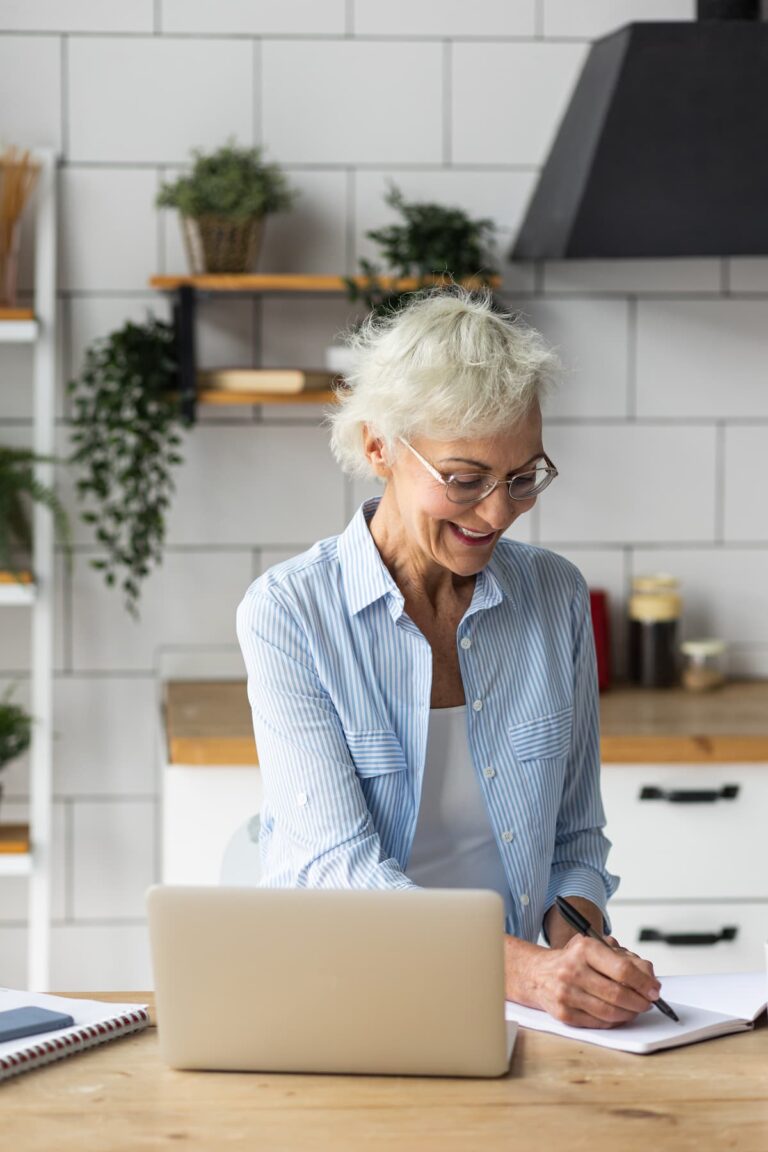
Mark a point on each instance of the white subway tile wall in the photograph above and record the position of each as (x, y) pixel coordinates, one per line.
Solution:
(507, 99)
(589, 19)
(76, 16)
(444, 18)
(372, 102)
(30, 116)
(659, 426)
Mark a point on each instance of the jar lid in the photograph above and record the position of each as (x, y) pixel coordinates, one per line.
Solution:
(655, 582)
(654, 606)
(707, 647)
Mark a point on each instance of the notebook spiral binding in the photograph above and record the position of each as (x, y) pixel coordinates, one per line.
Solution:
(88, 1036)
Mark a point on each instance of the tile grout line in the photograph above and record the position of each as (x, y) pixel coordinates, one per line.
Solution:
(64, 80)
(719, 478)
(447, 103)
(631, 389)
(350, 231)
(257, 75)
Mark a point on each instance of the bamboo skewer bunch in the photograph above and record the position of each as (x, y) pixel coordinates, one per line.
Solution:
(17, 178)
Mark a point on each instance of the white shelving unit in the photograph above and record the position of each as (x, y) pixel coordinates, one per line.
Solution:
(38, 596)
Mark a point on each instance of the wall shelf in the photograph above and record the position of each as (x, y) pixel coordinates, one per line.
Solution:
(15, 853)
(17, 588)
(17, 325)
(186, 290)
(280, 282)
(221, 397)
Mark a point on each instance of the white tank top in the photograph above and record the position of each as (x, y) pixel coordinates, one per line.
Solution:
(454, 846)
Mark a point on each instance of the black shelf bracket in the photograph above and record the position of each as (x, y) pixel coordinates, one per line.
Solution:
(184, 323)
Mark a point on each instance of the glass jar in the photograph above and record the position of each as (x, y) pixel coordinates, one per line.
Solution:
(703, 664)
(654, 614)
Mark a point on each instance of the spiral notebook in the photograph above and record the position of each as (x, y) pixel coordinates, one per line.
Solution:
(95, 1022)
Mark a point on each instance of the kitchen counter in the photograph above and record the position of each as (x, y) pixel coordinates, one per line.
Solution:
(208, 722)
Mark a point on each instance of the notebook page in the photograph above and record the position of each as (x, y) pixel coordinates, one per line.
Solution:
(646, 1033)
(742, 994)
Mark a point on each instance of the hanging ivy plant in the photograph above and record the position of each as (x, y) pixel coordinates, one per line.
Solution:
(126, 420)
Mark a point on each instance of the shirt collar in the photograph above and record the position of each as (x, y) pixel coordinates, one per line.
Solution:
(366, 577)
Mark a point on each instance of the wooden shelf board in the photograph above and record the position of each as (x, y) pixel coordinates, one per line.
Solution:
(7, 314)
(290, 282)
(221, 397)
(17, 588)
(24, 577)
(209, 723)
(14, 839)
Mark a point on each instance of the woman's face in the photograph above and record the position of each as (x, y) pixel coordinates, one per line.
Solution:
(461, 538)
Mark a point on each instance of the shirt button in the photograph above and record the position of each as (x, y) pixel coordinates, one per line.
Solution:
(508, 836)
(477, 705)
(489, 773)
(466, 642)
(525, 899)
(301, 799)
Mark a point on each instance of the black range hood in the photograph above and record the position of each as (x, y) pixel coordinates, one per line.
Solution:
(663, 150)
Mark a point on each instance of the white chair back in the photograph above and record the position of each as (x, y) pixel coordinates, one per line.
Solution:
(241, 863)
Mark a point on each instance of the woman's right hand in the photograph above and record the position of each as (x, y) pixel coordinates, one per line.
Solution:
(582, 983)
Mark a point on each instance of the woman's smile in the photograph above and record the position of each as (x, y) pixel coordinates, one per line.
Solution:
(470, 538)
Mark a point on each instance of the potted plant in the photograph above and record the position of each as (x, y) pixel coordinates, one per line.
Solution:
(431, 242)
(126, 418)
(18, 487)
(15, 732)
(223, 202)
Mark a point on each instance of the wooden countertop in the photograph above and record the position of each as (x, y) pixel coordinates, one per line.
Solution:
(209, 722)
(558, 1093)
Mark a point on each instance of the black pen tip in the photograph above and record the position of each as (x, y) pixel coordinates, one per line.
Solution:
(665, 1008)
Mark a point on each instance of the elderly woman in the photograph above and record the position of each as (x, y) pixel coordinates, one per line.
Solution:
(423, 687)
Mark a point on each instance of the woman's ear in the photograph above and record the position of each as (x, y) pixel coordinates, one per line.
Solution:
(376, 451)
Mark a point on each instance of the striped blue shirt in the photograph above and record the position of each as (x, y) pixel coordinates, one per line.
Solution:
(339, 682)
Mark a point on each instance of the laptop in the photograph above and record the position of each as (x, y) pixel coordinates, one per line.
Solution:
(407, 983)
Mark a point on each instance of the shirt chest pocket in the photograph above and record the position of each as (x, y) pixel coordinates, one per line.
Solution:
(540, 750)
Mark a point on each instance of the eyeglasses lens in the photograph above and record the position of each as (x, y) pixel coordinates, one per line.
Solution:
(469, 488)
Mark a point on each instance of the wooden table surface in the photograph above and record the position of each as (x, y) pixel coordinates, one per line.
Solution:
(558, 1095)
(209, 722)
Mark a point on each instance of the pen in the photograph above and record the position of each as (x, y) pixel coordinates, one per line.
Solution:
(577, 921)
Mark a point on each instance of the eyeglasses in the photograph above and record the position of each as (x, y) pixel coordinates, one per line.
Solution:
(472, 487)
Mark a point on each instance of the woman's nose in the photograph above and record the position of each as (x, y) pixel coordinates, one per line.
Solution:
(499, 510)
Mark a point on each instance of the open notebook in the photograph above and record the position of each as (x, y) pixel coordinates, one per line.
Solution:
(95, 1022)
(708, 1006)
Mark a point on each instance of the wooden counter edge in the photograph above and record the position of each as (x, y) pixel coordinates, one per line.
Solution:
(683, 749)
(240, 752)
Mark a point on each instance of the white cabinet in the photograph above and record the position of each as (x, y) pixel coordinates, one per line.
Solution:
(690, 843)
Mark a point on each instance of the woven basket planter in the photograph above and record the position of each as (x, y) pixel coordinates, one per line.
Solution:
(221, 244)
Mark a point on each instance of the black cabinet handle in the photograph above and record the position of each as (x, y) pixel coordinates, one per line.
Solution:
(687, 939)
(690, 795)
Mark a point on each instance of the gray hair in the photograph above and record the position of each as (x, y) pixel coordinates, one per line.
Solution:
(449, 364)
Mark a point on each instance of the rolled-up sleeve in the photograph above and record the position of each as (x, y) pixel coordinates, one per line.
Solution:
(581, 847)
(319, 831)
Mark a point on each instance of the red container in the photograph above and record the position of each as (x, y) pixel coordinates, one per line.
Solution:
(598, 602)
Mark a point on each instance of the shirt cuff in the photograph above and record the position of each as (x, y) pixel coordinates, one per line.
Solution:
(579, 882)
